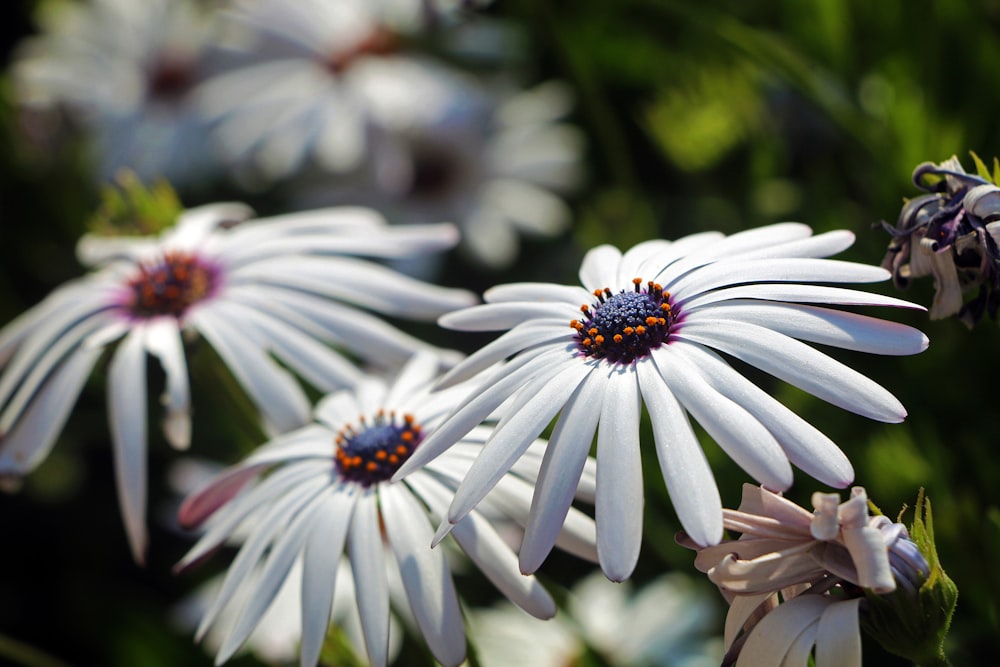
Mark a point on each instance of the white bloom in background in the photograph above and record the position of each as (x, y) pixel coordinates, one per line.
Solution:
(282, 288)
(124, 71)
(319, 77)
(784, 577)
(666, 623)
(495, 165)
(328, 492)
(649, 331)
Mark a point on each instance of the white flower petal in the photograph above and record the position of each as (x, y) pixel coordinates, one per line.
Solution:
(163, 341)
(319, 572)
(804, 445)
(771, 639)
(798, 293)
(522, 337)
(367, 553)
(619, 474)
(494, 558)
(798, 364)
(599, 267)
(507, 314)
(537, 292)
(127, 416)
(838, 639)
(272, 389)
(36, 429)
(849, 331)
(509, 440)
(737, 431)
(426, 577)
(560, 472)
(685, 469)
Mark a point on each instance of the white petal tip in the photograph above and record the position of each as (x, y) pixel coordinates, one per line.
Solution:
(442, 532)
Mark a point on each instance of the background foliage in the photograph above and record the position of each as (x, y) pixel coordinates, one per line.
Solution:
(700, 114)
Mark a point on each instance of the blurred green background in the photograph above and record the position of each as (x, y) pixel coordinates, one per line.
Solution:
(700, 114)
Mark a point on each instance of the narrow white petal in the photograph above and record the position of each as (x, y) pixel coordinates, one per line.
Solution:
(600, 267)
(740, 610)
(660, 263)
(425, 574)
(271, 523)
(736, 431)
(507, 314)
(320, 560)
(560, 472)
(284, 552)
(367, 554)
(495, 559)
(638, 256)
(804, 445)
(127, 416)
(163, 341)
(619, 473)
(797, 293)
(734, 246)
(537, 292)
(723, 274)
(418, 372)
(798, 364)
(507, 381)
(685, 469)
(521, 337)
(274, 391)
(838, 639)
(821, 245)
(825, 326)
(36, 429)
(508, 442)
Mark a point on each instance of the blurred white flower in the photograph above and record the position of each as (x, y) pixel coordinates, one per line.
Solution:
(495, 164)
(318, 78)
(666, 623)
(124, 71)
(649, 331)
(327, 492)
(282, 288)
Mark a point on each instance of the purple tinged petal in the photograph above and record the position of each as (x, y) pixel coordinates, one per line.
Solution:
(685, 469)
(127, 415)
(619, 475)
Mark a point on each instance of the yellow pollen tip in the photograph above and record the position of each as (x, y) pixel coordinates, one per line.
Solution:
(586, 342)
(662, 322)
(598, 292)
(380, 455)
(407, 436)
(651, 321)
(628, 331)
(371, 466)
(585, 308)
(599, 340)
(393, 459)
(640, 329)
(618, 338)
(401, 450)
(637, 281)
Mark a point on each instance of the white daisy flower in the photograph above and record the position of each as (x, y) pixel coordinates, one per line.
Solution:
(328, 492)
(495, 164)
(124, 70)
(649, 331)
(322, 76)
(257, 290)
(666, 623)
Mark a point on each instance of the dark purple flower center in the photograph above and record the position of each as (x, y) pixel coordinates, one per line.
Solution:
(624, 327)
(375, 451)
(171, 286)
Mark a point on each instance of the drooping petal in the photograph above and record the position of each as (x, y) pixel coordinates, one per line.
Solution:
(838, 639)
(774, 635)
(127, 416)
